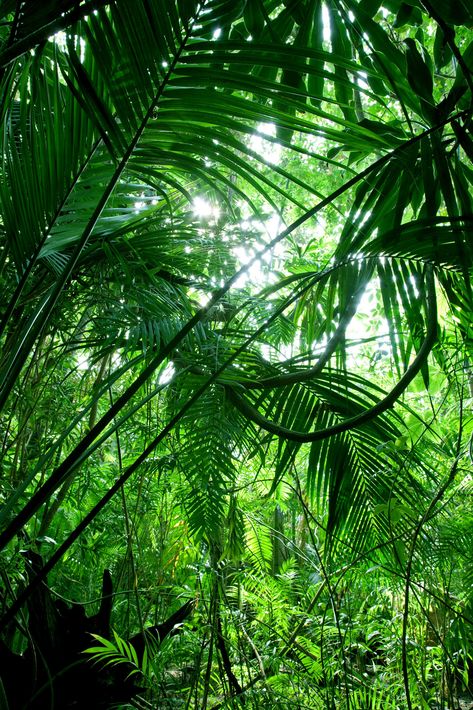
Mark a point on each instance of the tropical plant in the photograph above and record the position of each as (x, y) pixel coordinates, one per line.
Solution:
(235, 253)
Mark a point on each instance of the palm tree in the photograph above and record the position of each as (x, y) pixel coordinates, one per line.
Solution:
(121, 119)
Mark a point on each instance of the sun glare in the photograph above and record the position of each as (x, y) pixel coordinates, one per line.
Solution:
(167, 374)
(326, 24)
(204, 209)
(269, 151)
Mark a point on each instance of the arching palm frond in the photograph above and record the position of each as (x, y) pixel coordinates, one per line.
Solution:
(119, 117)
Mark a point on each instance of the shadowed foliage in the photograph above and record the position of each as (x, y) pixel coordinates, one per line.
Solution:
(235, 266)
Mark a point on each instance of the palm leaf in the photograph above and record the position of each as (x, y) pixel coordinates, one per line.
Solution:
(160, 110)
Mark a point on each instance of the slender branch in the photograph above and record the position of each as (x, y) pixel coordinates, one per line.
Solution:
(16, 49)
(10, 307)
(63, 470)
(450, 37)
(235, 687)
(292, 378)
(448, 481)
(44, 311)
(292, 435)
(85, 522)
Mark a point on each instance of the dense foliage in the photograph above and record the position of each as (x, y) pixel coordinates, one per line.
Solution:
(235, 267)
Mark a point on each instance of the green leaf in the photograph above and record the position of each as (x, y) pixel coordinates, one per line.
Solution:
(407, 15)
(254, 18)
(315, 78)
(418, 73)
(442, 51)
